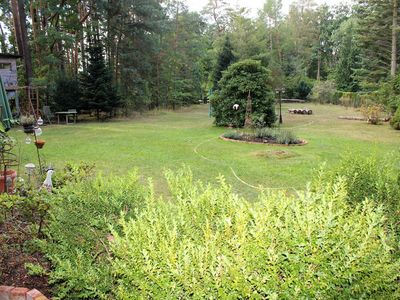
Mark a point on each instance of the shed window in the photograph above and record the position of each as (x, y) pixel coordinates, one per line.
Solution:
(5, 66)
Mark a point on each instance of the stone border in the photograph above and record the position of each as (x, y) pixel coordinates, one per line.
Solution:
(303, 142)
(19, 293)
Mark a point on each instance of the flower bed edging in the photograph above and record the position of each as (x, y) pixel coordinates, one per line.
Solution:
(19, 293)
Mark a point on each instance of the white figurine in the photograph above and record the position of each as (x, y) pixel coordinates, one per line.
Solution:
(47, 183)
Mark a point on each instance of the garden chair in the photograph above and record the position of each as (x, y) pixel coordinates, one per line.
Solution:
(47, 114)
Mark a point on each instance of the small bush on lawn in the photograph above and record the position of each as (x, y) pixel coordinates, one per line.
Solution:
(373, 113)
(395, 121)
(208, 243)
(78, 229)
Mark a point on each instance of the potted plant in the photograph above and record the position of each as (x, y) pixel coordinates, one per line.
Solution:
(28, 122)
(7, 160)
(40, 143)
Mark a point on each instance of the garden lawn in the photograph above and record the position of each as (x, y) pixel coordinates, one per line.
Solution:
(168, 140)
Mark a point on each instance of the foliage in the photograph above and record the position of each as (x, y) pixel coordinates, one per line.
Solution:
(208, 243)
(234, 135)
(325, 92)
(395, 120)
(373, 113)
(224, 60)
(298, 87)
(67, 93)
(78, 229)
(281, 136)
(348, 56)
(35, 269)
(98, 90)
(368, 177)
(27, 120)
(73, 173)
(242, 78)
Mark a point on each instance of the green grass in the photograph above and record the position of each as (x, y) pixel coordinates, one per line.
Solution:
(167, 140)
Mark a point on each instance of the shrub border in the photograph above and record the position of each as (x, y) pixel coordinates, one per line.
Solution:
(302, 142)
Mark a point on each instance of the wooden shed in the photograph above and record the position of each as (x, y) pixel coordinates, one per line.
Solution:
(8, 70)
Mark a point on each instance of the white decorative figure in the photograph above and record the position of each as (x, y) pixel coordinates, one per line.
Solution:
(235, 106)
(47, 183)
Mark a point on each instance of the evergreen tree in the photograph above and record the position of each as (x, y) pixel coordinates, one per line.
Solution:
(245, 84)
(98, 90)
(348, 56)
(376, 19)
(225, 58)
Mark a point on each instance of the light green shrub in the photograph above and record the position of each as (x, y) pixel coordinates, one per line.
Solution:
(209, 244)
(377, 179)
(78, 229)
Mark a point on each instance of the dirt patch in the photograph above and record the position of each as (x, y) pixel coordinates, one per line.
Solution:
(17, 249)
(275, 154)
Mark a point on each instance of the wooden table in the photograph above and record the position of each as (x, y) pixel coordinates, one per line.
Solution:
(67, 114)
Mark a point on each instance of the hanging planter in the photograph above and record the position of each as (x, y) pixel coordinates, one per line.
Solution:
(40, 143)
(29, 129)
(28, 123)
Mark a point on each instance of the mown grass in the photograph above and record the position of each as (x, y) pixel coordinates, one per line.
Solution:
(167, 140)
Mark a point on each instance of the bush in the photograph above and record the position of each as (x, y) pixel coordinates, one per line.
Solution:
(298, 87)
(281, 136)
(234, 135)
(395, 121)
(67, 93)
(208, 243)
(368, 177)
(240, 79)
(373, 113)
(325, 92)
(78, 232)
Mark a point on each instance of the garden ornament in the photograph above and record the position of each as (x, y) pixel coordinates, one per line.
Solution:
(235, 106)
(48, 184)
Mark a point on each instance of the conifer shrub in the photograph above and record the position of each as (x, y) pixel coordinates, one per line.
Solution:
(209, 243)
(240, 79)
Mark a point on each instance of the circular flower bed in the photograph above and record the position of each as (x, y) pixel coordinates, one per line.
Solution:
(265, 136)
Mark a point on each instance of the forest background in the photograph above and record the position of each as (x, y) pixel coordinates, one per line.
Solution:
(157, 54)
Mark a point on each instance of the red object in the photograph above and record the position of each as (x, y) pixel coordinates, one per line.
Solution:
(10, 177)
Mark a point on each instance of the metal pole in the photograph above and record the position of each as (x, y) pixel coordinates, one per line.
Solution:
(280, 108)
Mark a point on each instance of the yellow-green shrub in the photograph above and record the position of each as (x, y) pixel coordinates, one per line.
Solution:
(81, 214)
(208, 243)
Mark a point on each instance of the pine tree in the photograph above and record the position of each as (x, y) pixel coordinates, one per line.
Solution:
(98, 91)
(225, 58)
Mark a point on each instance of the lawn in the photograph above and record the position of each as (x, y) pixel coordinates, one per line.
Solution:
(168, 140)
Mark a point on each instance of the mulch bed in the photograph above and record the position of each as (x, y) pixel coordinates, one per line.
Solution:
(14, 253)
(254, 140)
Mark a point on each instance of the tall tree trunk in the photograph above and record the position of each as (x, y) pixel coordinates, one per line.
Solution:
(249, 110)
(394, 40)
(19, 18)
(319, 66)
